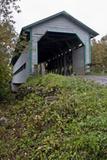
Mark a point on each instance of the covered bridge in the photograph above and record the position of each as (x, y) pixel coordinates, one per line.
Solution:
(59, 44)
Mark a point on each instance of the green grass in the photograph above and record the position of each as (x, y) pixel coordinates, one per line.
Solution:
(56, 118)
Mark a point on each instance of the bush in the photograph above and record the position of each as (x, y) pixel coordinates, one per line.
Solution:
(4, 77)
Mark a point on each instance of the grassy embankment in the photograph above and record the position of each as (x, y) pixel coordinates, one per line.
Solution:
(56, 118)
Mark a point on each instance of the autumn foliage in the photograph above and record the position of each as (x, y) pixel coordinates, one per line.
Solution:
(99, 55)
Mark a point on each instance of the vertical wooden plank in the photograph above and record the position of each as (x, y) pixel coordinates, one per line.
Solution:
(64, 63)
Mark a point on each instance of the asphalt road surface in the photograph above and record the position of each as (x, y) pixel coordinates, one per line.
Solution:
(98, 79)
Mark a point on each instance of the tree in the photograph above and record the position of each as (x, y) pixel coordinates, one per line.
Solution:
(6, 9)
(5, 73)
(104, 39)
(99, 54)
(7, 42)
(104, 43)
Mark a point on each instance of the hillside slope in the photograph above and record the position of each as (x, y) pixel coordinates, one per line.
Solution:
(56, 118)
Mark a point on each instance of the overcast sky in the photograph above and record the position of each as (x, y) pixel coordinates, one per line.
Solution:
(91, 12)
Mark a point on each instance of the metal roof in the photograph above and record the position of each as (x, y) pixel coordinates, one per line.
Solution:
(64, 13)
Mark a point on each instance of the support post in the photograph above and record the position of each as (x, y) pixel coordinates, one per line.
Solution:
(87, 56)
(64, 63)
(34, 55)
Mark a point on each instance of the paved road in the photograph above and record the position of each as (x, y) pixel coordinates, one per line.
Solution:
(99, 79)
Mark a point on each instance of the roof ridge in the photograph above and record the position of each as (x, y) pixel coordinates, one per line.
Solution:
(82, 25)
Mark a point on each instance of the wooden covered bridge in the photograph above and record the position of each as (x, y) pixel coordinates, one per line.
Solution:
(59, 44)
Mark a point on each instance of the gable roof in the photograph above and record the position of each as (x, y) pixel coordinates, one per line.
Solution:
(66, 15)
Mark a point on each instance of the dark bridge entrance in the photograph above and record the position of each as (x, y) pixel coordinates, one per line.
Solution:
(59, 50)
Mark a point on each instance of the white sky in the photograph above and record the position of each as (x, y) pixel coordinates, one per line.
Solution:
(91, 12)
